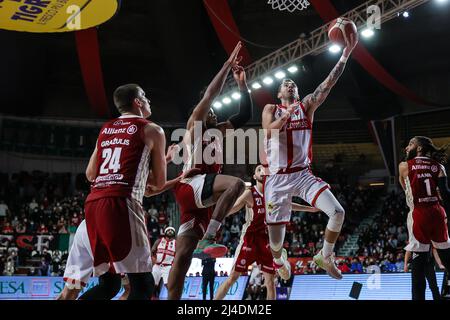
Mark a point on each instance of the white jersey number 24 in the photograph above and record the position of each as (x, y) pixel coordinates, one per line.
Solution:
(111, 162)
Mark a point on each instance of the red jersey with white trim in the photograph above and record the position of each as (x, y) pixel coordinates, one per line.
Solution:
(422, 182)
(293, 146)
(165, 252)
(205, 153)
(123, 159)
(255, 217)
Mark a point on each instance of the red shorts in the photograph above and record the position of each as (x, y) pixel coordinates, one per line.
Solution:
(195, 215)
(427, 225)
(118, 236)
(254, 247)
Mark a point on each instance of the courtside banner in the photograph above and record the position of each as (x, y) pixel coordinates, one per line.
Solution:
(55, 15)
(37, 288)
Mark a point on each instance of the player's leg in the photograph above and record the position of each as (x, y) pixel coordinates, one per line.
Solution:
(226, 285)
(328, 204)
(79, 266)
(204, 286)
(108, 287)
(269, 280)
(278, 200)
(430, 275)
(223, 191)
(126, 287)
(141, 286)
(186, 244)
(211, 279)
(418, 267)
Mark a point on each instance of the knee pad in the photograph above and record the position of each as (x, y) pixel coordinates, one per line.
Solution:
(336, 220)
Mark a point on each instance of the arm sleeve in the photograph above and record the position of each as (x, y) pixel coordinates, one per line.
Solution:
(245, 110)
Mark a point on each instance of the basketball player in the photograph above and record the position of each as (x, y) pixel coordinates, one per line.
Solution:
(164, 249)
(420, 176)
(254, 243)
(127, 149)
(289, 154)
(197, 195)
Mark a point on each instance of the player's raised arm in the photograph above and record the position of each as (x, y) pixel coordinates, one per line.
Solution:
(245, 199)
(315, 99)
(214, 88)
(91, 169)
(245, 103)
(156, 142)
(402, 173)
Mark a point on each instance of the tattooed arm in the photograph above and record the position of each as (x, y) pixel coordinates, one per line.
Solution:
(315, 99)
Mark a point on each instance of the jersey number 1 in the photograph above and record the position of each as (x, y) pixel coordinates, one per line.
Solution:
(428, 186)
(111, 160)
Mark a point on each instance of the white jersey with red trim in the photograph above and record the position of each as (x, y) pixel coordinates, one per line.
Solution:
(165, 253)
(292, 147)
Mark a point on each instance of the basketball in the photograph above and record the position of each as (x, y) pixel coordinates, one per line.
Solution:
(340, 30)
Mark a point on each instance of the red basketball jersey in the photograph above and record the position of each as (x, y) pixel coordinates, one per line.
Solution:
(205, 144)
(255, 219)
(422, 181)
(123, 160)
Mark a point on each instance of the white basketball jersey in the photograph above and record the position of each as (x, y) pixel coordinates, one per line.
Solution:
(292, 147)
(165, 252)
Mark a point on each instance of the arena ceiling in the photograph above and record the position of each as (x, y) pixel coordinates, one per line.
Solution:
(171, 48)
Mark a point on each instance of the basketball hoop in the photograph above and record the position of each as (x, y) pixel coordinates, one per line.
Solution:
(289, 5)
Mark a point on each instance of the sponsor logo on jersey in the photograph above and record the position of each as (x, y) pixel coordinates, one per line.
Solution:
(132, 129)
(113, 131)
(109, 177)
(434, 168)
(243, 261)
(121, 123)
(300, 124)
(420, 167)
(269, 207)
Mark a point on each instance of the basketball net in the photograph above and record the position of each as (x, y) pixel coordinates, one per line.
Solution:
(289, 5)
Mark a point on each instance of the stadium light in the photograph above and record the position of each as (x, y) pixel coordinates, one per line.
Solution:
(268, 80)
(367, 33)
(405, 14)
(256, 85)
(226, 100)
(236, 95)
(293, 69)
(441, 1)
(217, 105)
(334, 48)
(280, 75)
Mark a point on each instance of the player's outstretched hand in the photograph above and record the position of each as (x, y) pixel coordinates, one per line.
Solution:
(173, 148)
(350, 45)
(234, 58)
(239, 75)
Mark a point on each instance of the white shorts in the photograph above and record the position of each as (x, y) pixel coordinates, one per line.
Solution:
(160, 271)
(280, 188)
(80, 263)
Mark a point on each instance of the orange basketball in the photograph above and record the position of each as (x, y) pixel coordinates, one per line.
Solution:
(340, 30)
